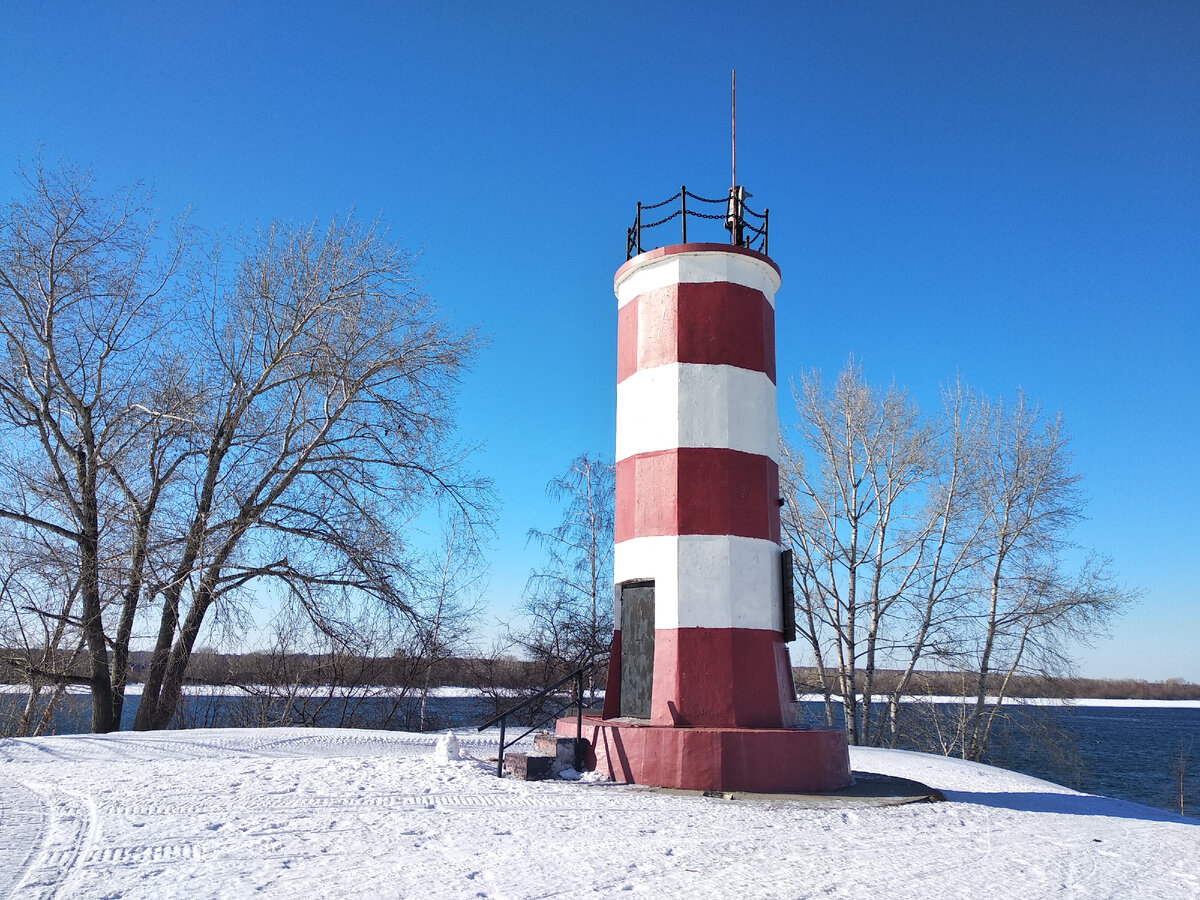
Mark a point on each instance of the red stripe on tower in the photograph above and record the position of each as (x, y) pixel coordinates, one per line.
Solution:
(709, 323)
(697, 490)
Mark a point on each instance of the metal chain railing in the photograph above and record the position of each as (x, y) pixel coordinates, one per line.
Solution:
(746, 227)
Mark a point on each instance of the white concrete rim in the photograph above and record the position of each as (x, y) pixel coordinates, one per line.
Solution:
(697, 267)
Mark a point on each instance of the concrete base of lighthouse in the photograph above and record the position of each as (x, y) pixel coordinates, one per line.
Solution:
(759, 760)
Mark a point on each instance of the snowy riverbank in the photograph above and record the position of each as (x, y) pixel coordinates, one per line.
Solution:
(335, 813)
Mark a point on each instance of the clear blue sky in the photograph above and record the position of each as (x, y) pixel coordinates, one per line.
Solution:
(1008, 190)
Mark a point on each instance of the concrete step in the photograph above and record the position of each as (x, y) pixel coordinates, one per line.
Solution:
(528, 766)
(551, 755)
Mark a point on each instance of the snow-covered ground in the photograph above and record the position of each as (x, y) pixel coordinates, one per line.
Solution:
(303, 813)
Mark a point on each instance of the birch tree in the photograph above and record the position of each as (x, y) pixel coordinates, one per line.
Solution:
(856, 520)
(948, 549)
(941, 542)
(451, 603)
(1028, 597)
(567, 607)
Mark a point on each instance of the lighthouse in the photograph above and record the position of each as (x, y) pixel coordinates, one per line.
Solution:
(699, 692)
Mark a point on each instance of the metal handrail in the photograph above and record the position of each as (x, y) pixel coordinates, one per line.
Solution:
(577, 696)
(746, 227)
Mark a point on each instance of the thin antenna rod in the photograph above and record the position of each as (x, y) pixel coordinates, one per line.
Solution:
(733, 128)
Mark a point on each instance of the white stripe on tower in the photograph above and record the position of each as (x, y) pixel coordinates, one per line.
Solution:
(689, 405)
(694, 267)
(704, 571)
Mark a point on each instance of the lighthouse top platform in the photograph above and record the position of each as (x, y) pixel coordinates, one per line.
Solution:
(747, 228)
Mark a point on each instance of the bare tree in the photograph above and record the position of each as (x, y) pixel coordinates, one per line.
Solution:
(42, 651)
(308, 676)
(325, 426)
(567, 607)
(947, 551)
(941, 542)
(857, 524)
(1029, 501)
(283, 426)
(81, 303)
(451, 603)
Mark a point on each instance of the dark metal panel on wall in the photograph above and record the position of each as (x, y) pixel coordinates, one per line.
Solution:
(637, 648)
(788, 595)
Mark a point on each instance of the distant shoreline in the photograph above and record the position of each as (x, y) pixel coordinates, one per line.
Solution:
(135, 689)
(1131, 702)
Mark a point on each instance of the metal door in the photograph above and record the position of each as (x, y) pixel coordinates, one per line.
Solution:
(637, 648)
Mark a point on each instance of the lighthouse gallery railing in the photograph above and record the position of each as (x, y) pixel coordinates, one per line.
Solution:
(746, 227)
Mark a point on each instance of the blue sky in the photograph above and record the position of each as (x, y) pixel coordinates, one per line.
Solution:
(1006, 190)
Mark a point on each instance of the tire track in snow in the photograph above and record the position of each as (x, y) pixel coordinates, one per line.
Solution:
(257, 805)
(272, 743)
(22, 823)
(70, 834)
(147, 853)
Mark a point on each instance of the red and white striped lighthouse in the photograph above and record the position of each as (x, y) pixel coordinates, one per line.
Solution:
(699, 692)
(697, 508)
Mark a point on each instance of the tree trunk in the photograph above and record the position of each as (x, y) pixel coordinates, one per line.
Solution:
(181, 652)
(168, 622)
(97, 649)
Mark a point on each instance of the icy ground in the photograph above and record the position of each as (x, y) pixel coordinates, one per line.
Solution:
(302, 813)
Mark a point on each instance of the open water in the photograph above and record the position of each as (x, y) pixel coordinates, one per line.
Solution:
(1131, 753)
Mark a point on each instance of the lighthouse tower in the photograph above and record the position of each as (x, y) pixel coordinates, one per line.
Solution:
(699, 692)
(697, 553)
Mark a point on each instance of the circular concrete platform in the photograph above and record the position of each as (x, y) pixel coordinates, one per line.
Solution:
(869, 790)
(723, 759)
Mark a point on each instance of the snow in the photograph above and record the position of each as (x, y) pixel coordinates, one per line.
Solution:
(134, 689)
(306, 813)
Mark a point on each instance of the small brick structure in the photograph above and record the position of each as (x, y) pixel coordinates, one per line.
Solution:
(552, 754)
(528, 766)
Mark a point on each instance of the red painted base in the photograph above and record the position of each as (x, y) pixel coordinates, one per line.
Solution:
(762, 760)
(713, 678)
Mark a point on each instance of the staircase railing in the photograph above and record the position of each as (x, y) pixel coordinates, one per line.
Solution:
(576, 698)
